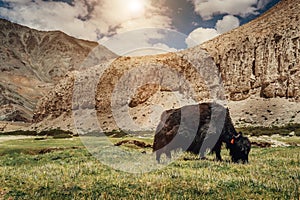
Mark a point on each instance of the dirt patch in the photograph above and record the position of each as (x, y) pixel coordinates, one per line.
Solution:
(134, 142)
(274, 141)
(49, 150)
(260, 112)
(261, 144)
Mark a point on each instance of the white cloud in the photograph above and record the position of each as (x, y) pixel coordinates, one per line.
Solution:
(145, 22)
(200, 35)
(50, 15)
(138, 42)
(207, 9)
(228, 23)
(163, 47)
(262, 3)
(87, 19)
(210, 8)
(158, 48)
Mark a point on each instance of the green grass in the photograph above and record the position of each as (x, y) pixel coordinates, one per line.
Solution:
(281, 130)
(35, 145)
(68, 173)
(290, 140)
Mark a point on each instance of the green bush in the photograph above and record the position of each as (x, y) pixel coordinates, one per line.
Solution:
(20, 132)
(116, 133)
(55, 133)
(62, 136)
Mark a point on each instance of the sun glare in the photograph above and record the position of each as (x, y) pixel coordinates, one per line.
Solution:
(136, 6)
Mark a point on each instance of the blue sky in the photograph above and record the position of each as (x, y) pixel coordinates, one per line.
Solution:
(100, 20)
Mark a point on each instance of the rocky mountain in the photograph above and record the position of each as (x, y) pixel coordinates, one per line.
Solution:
(260, 72)
(32, 62)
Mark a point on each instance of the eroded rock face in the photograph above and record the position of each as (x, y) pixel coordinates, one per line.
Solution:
(126, 85)
(57, 101)
(262, 57)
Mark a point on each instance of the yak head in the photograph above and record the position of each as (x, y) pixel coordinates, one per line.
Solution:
(239, 148)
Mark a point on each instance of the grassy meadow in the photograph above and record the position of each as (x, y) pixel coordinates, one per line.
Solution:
(49, 168)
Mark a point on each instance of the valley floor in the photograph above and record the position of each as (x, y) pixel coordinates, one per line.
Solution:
(47, 168)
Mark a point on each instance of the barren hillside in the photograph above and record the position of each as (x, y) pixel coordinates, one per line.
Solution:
(32, 62)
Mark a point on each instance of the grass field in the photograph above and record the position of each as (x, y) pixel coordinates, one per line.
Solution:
(39, 168)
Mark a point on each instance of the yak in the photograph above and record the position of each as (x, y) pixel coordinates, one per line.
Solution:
(200, 128)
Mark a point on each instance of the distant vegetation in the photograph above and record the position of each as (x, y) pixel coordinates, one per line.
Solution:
(57, 133)
(281, 130)
(252, 131)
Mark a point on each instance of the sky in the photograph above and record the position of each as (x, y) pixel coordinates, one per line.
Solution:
(142, 22)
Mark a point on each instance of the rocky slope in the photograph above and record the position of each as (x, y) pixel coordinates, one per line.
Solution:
(259, 65)
(262, 58)
(32, 62)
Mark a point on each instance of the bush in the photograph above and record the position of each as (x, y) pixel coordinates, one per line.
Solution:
(116, 133)
(62, 136)
(55, 132)
(20, 132)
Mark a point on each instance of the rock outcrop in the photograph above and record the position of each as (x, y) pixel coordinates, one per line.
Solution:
(262, 57)
(127, 84)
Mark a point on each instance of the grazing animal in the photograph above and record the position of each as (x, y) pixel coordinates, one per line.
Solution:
(198, 129)
(239, 148)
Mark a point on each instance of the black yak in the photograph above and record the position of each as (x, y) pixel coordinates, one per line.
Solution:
(198, 129)
(239, 148)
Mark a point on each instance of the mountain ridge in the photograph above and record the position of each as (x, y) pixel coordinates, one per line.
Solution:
(31, 63)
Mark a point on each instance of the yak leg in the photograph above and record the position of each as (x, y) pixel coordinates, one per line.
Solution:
(202, 156)
(161, 151)
(246, 160)
(168, 154)
(217, 150)
(158, 154)
(218, 154)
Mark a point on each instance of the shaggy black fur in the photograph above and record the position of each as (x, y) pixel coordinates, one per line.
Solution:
(239, 149)
(188, 127)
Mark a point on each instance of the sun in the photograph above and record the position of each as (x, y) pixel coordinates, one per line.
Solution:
(136, 7)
